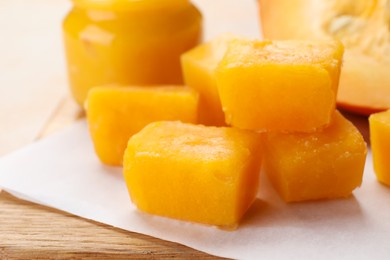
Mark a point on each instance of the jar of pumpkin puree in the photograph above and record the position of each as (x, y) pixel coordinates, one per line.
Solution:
(128, 42)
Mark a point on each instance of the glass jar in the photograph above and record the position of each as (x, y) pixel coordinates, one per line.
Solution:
(128, 42)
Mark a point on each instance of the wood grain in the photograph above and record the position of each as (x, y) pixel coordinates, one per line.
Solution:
(31, 231)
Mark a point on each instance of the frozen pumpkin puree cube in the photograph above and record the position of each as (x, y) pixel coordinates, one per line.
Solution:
(322, 165)
(380, 145)
(191, 172)
(287, 86)
(199, 69)
(116, 113)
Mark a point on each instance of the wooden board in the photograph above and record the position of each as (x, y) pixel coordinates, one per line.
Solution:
(31, 231)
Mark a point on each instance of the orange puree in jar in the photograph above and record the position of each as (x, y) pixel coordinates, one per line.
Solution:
(128, 42)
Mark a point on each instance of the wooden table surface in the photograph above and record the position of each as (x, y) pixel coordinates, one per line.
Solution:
(31, 231)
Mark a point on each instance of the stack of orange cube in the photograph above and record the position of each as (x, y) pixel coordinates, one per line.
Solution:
(287, 89)
(278, 102)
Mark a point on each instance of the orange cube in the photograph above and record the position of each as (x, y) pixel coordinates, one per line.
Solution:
(322, 165)
(380, 145)
(199, 69)
(116, 113)
(287, 86)
(195, 173)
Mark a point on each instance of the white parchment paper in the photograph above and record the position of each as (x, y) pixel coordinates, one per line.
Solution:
(63, 172)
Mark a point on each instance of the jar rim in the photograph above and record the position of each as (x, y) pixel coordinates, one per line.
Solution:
(129, 5)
